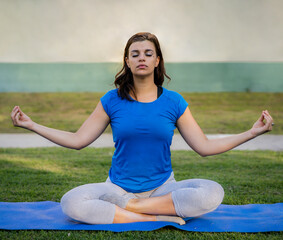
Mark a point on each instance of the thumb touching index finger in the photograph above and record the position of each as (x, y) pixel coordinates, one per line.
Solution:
(261, 117)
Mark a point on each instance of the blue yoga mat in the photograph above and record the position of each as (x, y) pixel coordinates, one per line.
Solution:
(226, 218)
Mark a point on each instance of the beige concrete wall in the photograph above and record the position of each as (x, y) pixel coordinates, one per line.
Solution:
(97, 30)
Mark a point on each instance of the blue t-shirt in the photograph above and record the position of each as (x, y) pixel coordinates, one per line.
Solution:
(142, 133)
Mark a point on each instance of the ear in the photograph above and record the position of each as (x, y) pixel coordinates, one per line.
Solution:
(157, 61)
(127, 61)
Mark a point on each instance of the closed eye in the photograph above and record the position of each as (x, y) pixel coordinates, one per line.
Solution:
(148, 53)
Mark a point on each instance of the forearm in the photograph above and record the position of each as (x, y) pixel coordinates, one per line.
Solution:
(196, 139)
(63, 138)
(91, 129)
(220, 145)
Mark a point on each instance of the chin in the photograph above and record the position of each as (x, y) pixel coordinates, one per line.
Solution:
(143, 74)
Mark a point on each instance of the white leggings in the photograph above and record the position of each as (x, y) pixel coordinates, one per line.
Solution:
(191, 198)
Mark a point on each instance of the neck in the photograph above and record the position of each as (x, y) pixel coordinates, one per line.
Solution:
(145, 88)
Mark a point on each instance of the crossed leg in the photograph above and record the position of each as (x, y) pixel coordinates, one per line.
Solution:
(83, 204)
(186, 198)
(148, 209)
(161, 205)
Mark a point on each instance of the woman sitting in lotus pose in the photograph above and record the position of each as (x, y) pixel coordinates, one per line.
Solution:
(143, 116)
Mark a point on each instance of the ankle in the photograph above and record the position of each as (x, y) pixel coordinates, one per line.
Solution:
(132, 205)
(125, 216)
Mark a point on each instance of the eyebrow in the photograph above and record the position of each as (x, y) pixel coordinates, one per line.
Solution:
(146, 50)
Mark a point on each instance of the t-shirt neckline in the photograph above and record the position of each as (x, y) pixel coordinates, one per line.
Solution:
(163, 92)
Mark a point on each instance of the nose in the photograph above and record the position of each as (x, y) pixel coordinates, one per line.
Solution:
(141, 57)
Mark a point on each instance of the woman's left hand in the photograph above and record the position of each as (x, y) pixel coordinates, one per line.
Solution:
(263, 124)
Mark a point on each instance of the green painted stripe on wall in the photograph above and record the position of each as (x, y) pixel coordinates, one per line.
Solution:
(98, 77)
(227, 77)
(57, 77)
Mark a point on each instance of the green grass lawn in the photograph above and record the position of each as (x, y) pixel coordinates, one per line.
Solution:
(215, 112)
(47, 173)
(42, 174)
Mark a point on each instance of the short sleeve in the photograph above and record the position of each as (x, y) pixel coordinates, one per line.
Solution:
(106, 102)
(182, 106)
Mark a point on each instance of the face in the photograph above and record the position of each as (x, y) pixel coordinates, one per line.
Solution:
(142, 58)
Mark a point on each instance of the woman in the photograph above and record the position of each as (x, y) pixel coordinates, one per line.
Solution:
(143, 116)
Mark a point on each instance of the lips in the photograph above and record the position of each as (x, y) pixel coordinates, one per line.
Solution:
(141, 66)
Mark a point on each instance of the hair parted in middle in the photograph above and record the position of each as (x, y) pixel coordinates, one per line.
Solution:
(124, 78)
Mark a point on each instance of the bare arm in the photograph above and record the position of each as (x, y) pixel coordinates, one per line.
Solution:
(90, 130)
(193, 135)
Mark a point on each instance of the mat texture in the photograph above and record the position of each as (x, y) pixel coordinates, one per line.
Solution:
(226, 218)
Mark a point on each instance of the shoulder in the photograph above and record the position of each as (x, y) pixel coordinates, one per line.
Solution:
(172, 95)
(110, 99)
(110, 95)
(175, 102)
(113, 92)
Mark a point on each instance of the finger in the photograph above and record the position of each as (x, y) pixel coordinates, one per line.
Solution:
(268, 120)
(13, 119)
(15, 109)
(16, 119)
(267, 117)
(268, 123)
(13, 114)
(20, 110)
(268, 114)
(261, 117)
(18, 116)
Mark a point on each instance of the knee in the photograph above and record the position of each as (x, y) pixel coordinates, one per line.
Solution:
(202, 196)
(86, 210)
(208, 194)
(70, 205)
(215, 195)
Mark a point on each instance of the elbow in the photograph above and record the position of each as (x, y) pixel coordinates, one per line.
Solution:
(203, 154)
(207, 153)
(78, 147)
(78, 142)
(74, 147)
(205, 150)
(201, 151)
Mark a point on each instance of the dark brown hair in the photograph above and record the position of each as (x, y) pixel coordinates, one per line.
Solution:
(124, 78)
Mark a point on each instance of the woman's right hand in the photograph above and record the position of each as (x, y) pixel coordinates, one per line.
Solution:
(91, 129)
(20, 119)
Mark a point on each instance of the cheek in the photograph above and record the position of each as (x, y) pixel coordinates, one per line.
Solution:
(130, 65)
(130, 62)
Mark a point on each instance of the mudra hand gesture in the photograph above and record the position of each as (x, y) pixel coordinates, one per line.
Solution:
(20, 119)
(263, 124)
